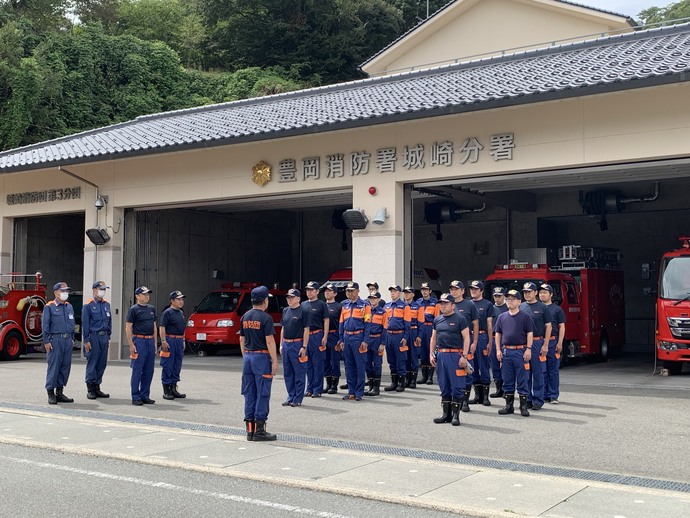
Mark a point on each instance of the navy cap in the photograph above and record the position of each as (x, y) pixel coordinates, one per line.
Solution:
(408, 289)
(375, 295)
(477, 284)
(259, 294)
(330, 286)
(352, 286)
(396, 287)
(425, 286)
(514, 293)
(546, 287)
(142, 290)
(61, 286)
(312, 285)
(529, 286)
(499, 290)
(457, 284)
(446, 297)
(100, 284)
(293, 293)
(373, 284)
(177, 294)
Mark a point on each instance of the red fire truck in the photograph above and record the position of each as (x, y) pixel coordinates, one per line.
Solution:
(22, 298)
(214, 324)
(673, 308)
(588, 285)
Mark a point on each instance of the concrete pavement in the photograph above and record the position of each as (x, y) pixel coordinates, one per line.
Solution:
(293, 461)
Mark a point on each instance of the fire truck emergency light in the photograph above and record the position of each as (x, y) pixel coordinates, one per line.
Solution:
(98, 236)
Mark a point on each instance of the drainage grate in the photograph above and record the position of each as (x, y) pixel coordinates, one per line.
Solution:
(579, 474)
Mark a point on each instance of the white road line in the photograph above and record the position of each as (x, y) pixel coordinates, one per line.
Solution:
(172, 487)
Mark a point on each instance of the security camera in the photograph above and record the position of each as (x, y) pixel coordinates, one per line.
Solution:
(100, 203)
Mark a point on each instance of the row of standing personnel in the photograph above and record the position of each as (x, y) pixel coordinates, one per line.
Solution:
(141, 329)
(316, 334)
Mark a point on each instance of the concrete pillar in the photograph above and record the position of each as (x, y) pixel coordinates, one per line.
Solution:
(7, 245)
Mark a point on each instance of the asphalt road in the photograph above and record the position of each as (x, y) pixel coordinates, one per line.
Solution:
(614, 417)
(39, 483)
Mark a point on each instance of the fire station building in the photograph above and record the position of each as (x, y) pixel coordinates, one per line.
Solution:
(491, 126)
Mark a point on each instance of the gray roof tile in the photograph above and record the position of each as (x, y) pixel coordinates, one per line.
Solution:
(641, 59)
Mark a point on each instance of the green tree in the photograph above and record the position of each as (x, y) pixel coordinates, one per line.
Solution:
(674, 11)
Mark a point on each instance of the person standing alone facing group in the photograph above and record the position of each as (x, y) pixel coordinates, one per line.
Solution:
(96, 328)
(172, 325)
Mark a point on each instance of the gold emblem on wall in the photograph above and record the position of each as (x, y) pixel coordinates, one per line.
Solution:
(261, 173)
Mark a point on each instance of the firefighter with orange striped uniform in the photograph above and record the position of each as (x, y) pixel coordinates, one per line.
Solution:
(376, 345)
(355, 318)
(397, 323)
(429, 308)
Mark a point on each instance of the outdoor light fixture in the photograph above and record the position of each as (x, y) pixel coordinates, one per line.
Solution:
(98, 236)
(355, 219)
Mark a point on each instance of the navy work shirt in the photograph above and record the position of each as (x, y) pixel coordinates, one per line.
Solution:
(294, 321)
(255, 326)
(539, 313)
(467, 309)
(449, 331)
(174, 321)
(485, 310)
(142, 319)
(58, 319)
(557, 318)
(514, 328)
(334, 309)
(95, 316)
(316, 312)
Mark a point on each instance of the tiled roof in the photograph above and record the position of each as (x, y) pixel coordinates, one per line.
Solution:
(640, 59)
(449, 4)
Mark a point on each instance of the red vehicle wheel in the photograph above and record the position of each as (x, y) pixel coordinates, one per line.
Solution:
(12, 345)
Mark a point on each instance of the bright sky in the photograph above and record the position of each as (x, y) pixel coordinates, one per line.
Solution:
(628, 7)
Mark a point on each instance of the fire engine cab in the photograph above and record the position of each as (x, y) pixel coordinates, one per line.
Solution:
(22, 299)
(214, 324)
(588, 285)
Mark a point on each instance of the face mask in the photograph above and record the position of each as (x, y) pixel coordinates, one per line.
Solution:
(64, 295)
(100, 294)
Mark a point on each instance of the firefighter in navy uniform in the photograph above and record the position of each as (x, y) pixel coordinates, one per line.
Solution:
(514, 332)
(541, 316)
(397, 325)
(332, 362)
(376, 345)
(140, 328)
(481, 378)
(353, 331)
(500, 306)
(373, 287)
(293, 348)
(96, 328)
(430, 309)
(171, 330)
(449, 341)
(317, 314)
(58, 339)
(259, 365)
(553, 356)
(415, 343)
(467, 309)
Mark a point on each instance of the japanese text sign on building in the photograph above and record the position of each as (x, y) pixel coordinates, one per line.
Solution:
(22, 198)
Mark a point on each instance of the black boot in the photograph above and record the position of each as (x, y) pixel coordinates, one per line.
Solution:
(343, 386)
(401, 384)
(334, 385)
(408, 379)
(393, 385)
(375, 389)
(508, 409)
(52, 400)
(167, 392)
(465, 407)
(499, 389)
(329, 382)
(478, 395)
(91, 391)
(260, 433)
(99, 393)
(175, 393)
(61, 398)
(446, 417)
(249, 423)
(485, 393)
(455, 407)
(523, 405)
(413, 381)
(422, 380)
(431, 371)
(370, 384)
